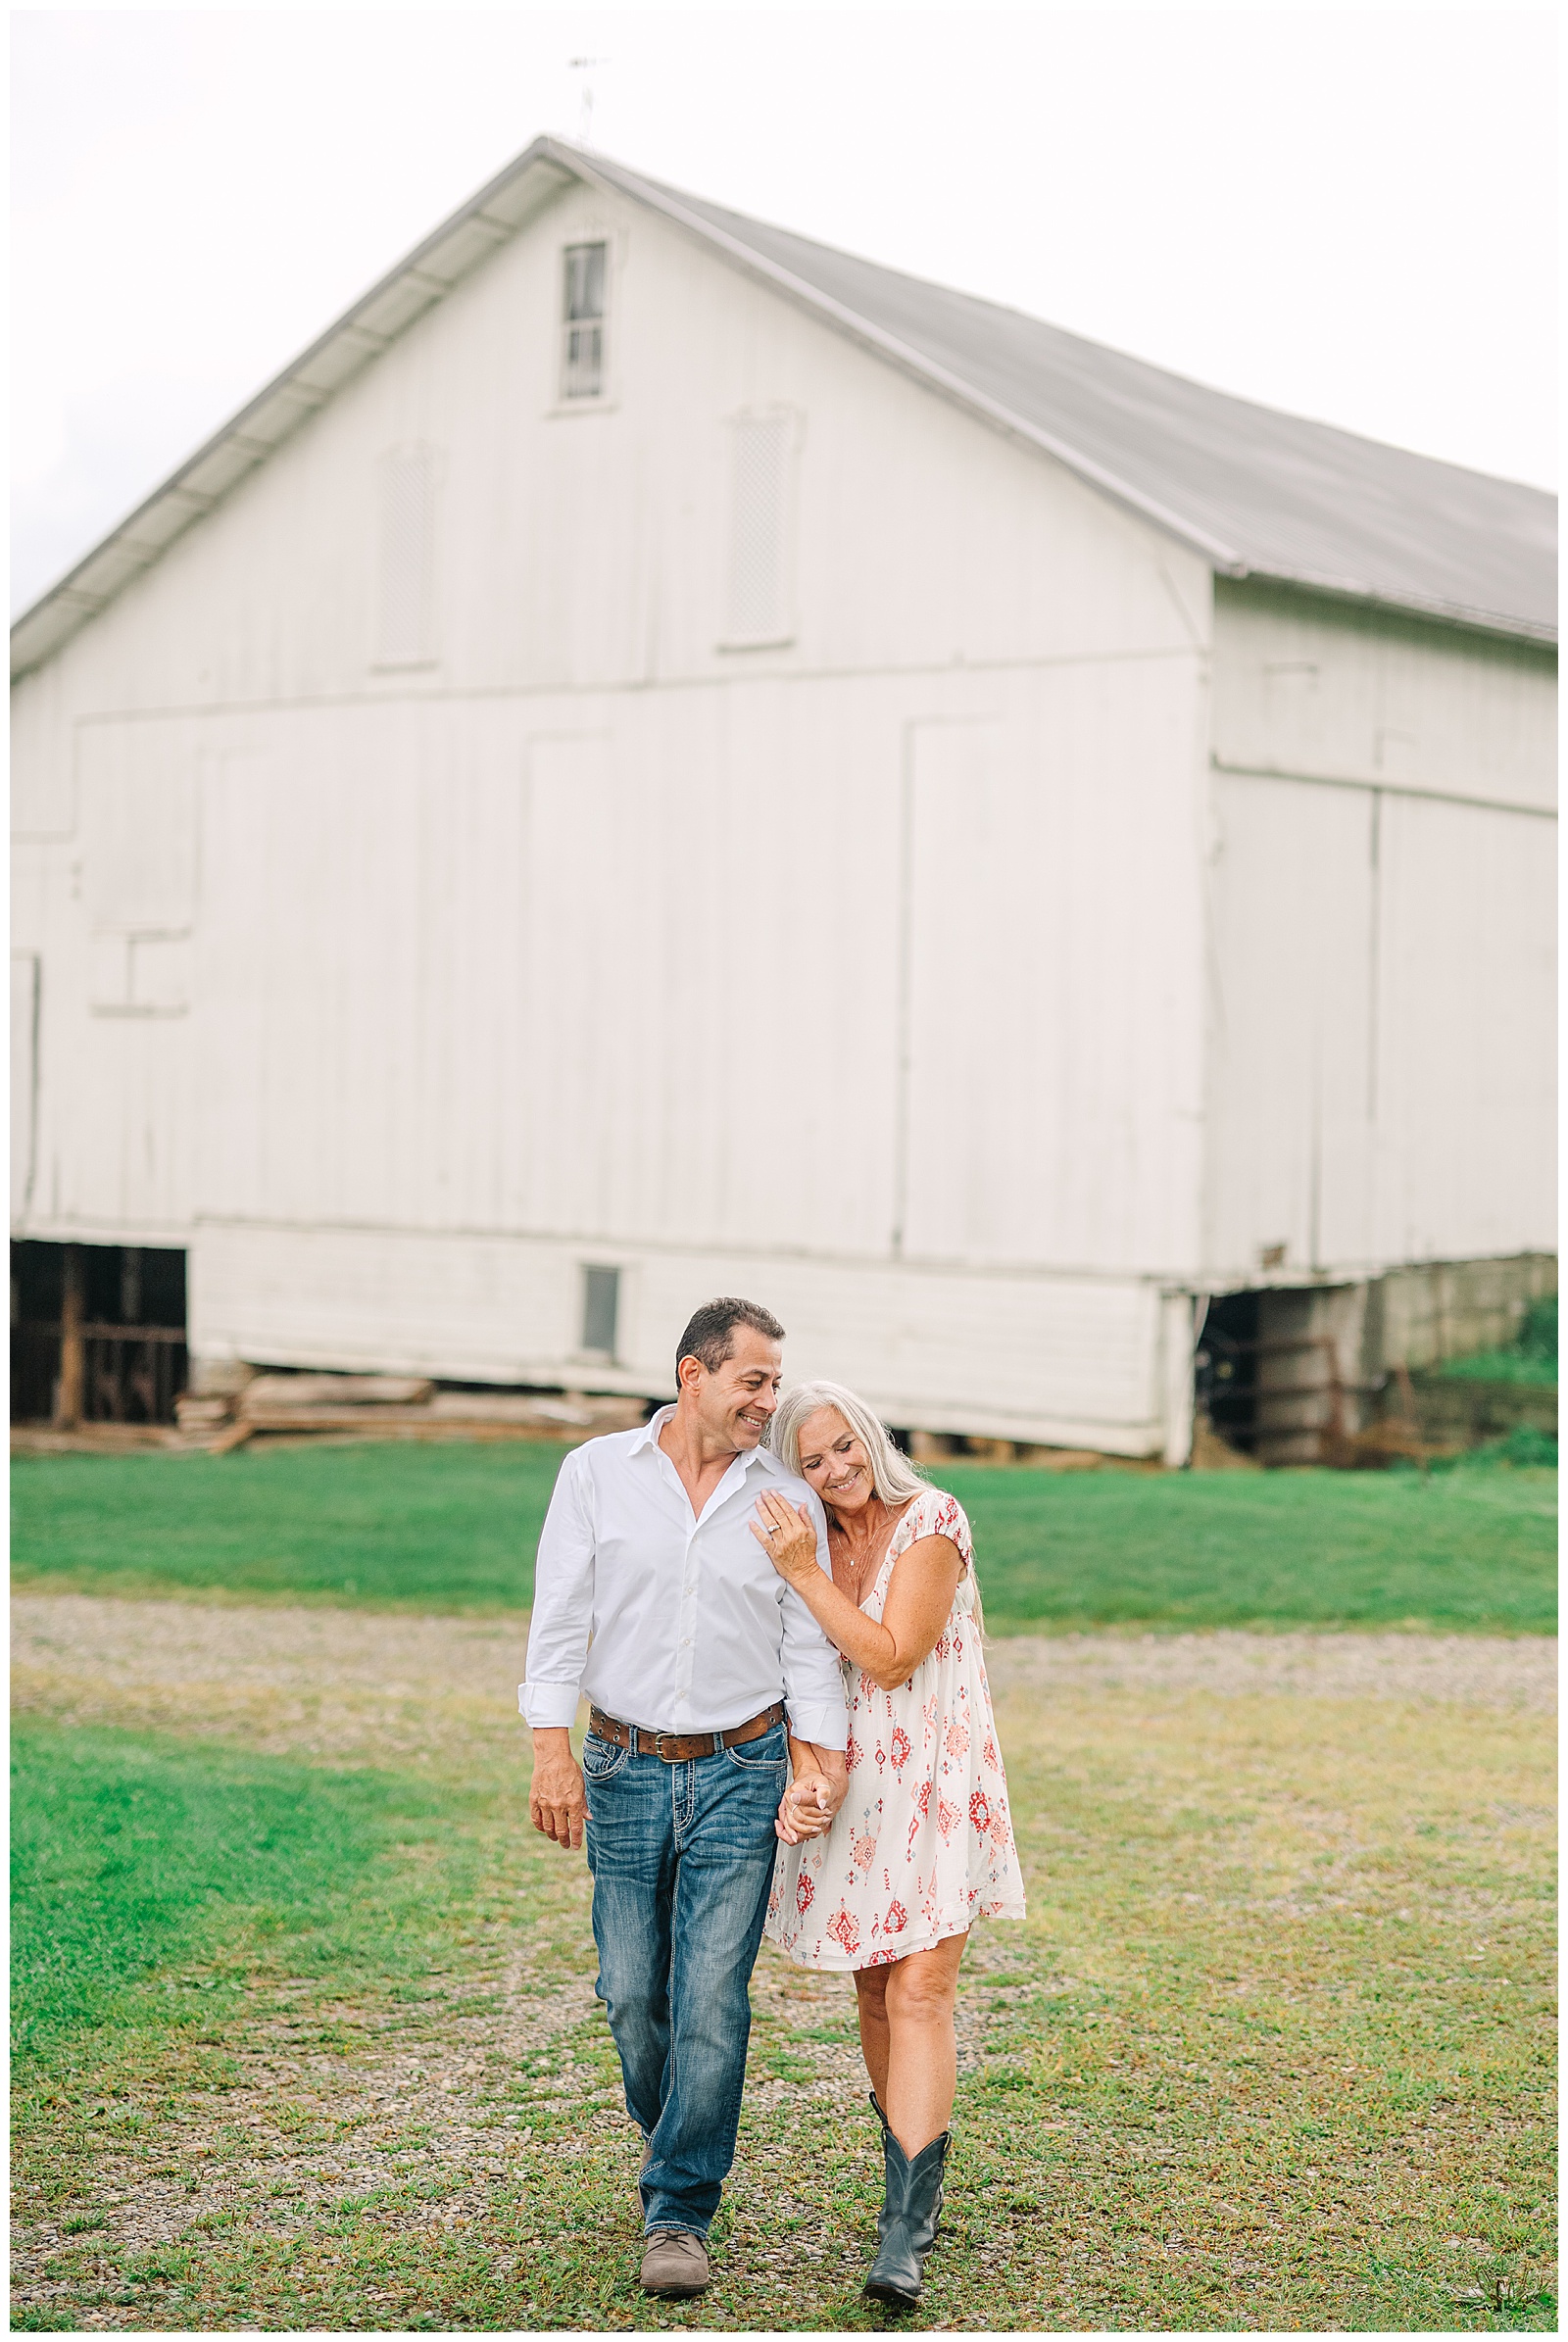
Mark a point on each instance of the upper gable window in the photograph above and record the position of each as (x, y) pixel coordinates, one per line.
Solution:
(406, 597)
(761, 529)
(583, 337)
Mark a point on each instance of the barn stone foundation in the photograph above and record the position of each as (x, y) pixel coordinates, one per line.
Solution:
(1296, 1375)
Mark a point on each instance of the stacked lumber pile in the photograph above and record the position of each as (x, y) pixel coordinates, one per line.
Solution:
(386, 1406)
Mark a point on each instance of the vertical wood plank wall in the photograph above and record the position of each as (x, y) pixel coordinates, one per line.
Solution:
(925, 971)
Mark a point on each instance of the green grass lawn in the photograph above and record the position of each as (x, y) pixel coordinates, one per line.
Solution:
(146, 1874)
(1467, 1551)
(453, 1527)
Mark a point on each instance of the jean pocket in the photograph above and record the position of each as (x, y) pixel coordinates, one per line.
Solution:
(601, 1759)
(765, 1757)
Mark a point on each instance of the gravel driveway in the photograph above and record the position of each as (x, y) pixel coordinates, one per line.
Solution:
(346, 1683)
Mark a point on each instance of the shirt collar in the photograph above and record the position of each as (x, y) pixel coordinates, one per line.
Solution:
(649, 1434)
(648, 1438)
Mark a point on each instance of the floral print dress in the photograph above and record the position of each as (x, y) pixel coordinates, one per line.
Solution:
(923, 1843)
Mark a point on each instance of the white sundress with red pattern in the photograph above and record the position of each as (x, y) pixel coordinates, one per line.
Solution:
(923, 1843)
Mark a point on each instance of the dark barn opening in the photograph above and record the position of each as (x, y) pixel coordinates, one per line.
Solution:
(1226, 1389)
(97, 1332)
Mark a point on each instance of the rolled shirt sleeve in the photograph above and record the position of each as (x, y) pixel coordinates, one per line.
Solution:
(813, 1683)
(562, 1602)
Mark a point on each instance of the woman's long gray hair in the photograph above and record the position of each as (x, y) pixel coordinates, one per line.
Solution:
(892, 1476)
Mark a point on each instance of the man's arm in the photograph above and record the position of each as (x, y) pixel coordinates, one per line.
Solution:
(558, 1651)
(814, 1689)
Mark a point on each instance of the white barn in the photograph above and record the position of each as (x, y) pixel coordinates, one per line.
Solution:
(660, 759)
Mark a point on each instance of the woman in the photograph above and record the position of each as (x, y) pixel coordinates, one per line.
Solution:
(923, 1843)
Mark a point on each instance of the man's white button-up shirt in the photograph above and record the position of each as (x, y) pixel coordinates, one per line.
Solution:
(676, 1624)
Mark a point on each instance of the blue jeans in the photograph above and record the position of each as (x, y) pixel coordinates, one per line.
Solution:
(682, 1861)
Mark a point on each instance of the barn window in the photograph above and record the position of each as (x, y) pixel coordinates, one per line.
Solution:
(600, 1308)
(582, 349)
(406, 616)
(760, 525)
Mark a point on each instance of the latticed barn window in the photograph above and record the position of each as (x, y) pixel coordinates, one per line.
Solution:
(406, 615)
(582, 356)
(760, 522)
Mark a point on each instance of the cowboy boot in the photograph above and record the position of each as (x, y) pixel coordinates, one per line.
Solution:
(881, 2218)
(909, 2219)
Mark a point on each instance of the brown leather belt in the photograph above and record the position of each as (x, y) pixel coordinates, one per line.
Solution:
(681, 1748)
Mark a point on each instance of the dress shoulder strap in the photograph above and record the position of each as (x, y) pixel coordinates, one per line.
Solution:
(934, 1513)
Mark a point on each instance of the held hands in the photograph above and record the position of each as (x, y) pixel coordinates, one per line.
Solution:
(787, 1534)
(807, 1809)
(813, 1799)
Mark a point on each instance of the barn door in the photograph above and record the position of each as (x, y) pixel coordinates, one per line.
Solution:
(966, 953)
(1293, 1072)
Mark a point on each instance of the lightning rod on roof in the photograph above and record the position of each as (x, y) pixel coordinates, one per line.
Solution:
(585, 112)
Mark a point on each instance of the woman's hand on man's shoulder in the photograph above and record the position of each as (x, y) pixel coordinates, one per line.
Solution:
(787, 1534)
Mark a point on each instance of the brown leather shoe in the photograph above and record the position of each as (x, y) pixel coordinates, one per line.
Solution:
(676, 2264)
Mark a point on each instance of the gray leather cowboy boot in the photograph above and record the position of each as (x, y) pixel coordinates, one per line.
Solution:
(907, 2222)
(882, 2216)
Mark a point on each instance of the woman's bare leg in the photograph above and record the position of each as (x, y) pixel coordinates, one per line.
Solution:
(871, 1998)
(923, 2064)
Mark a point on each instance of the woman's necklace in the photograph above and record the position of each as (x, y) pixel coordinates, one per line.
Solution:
(862, 1575)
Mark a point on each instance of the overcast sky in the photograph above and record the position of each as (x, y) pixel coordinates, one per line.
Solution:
(1346, 213)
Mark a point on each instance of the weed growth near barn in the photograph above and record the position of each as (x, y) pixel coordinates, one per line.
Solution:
(1532, 1358)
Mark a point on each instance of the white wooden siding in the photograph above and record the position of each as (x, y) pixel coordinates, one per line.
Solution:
(1337, 692)
(24, 1080)
(449, 976)
(873, 971)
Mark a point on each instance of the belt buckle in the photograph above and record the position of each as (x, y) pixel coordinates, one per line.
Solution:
(659, 1746)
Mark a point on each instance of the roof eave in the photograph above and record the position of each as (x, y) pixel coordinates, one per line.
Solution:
(1473, 618)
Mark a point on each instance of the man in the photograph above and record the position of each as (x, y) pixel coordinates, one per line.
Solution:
(653, 1598)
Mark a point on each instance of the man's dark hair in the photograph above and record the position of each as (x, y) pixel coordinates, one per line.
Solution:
(710, 1335)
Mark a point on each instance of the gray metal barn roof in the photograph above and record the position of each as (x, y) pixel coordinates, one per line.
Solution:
(1258, 492)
